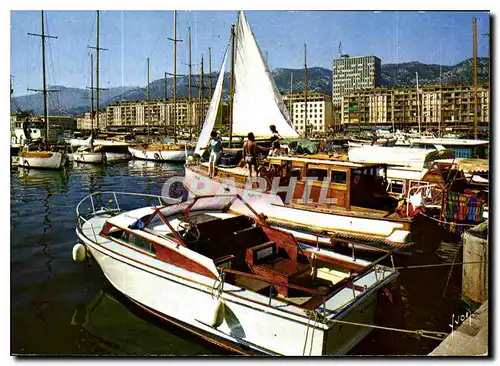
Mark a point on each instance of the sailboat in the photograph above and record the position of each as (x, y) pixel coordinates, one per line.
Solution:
(89, 153)
(164, 152)
(44, 158)
(347, 203)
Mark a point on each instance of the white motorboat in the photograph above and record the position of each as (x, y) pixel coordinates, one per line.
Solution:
(114, 151)
(230, 277)
(87, 154)
(160, 152)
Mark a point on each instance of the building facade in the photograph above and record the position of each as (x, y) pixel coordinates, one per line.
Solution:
(431, 106)
(354, 73)
(319, 112)
(156, 113)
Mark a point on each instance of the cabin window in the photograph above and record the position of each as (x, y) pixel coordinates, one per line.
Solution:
(319, 174)
(396, 186)
(339, 177)
(133, 240)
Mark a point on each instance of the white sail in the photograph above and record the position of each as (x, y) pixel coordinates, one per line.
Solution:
(257, 101)
(209, 123)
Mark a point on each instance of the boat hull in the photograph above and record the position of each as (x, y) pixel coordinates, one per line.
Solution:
(89, 157)
(42, 160)
(250, 320)
(160, 155)
(112, 157)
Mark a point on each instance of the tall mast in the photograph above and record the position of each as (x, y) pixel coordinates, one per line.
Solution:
(474, 25)
(97, 70)
(45, 114)
(190, 119)
(305, 88)
(210, 71)
(165, 99)
(175, 75)
(97, 48)
(147, 85)
(200, 94)
(44, 82)
(91, 97)
(148, 119)
(231, 87)
(175, 40)
(418, 103)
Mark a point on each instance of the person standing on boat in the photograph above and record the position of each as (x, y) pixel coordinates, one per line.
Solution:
(215, 146)
(275, 141)
(250, 153)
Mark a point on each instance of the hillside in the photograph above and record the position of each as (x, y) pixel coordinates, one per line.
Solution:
(76, 101)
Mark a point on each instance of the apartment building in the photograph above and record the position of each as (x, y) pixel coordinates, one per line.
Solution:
(431, 106)
(319, 112)
(156, 113)
(354, 73)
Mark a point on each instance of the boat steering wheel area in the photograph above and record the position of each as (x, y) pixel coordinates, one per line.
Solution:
(189, 231)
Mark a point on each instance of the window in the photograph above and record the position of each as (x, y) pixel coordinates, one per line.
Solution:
(339, 177)
(319, 174)
(133, 240)
(396, 186)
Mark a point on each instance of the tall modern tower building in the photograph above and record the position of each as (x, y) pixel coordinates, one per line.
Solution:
(354, 73)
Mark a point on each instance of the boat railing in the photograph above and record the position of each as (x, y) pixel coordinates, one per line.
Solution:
(96, 204)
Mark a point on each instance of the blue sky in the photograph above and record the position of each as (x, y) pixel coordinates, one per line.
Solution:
(132, 36)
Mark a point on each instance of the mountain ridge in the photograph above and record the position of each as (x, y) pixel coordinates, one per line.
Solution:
(76, 101)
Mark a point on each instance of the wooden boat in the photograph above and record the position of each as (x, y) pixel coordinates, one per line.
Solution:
(348, 202)
(231, 277)
(42, 159)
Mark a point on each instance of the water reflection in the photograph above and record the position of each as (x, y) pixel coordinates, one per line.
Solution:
(111, 324)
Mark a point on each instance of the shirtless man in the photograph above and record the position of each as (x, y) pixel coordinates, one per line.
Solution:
(250, 153)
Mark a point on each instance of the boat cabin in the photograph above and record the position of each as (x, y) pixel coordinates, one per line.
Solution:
(332, 183)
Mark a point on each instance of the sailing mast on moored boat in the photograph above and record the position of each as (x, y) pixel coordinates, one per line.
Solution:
(44, 90)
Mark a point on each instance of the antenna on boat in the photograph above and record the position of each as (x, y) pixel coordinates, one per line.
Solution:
(175, 40)
(231, 87)
(474, 51)
(44, 90)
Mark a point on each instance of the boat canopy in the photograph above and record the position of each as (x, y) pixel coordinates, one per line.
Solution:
(470, 166)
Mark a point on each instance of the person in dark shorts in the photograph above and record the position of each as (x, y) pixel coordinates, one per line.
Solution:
(250, 153)
(275, 141)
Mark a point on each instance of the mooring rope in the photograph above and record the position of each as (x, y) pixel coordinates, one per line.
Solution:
(419, 332)
(447, 222)
(438, 265)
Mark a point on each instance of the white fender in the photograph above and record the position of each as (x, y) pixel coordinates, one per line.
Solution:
(79, 252)
(212, 313)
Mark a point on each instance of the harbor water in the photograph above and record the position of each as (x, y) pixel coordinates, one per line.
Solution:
(59, 307)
